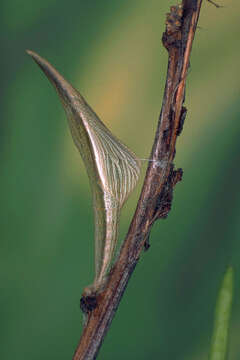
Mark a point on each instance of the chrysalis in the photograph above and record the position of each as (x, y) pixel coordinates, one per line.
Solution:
(113, 170)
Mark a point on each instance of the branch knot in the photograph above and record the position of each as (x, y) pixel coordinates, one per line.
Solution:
(172, 36)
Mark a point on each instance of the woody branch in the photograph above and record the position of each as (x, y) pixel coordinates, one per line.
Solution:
(161, 177)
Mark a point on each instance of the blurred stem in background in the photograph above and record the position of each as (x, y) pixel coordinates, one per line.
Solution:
(219, 344)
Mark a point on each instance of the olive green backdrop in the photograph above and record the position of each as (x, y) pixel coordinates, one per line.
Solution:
(111, 51)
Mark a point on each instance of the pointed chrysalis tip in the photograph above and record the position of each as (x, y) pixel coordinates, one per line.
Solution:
(64, 88)
(30, 52)
(37, 58)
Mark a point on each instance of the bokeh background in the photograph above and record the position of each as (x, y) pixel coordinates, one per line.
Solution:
(111, 51)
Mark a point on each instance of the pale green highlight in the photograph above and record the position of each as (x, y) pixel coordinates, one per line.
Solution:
(219, 344)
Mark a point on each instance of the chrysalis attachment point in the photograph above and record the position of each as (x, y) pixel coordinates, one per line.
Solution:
(88, 303)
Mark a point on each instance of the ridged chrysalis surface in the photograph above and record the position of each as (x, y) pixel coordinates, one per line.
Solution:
(113, 170)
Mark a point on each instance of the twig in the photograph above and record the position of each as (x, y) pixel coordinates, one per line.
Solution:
(214, 3)
(156, 196)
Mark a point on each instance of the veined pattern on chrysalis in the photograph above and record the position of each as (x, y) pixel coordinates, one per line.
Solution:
(113, 170)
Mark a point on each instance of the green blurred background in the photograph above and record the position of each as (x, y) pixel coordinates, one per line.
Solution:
(111, 51)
